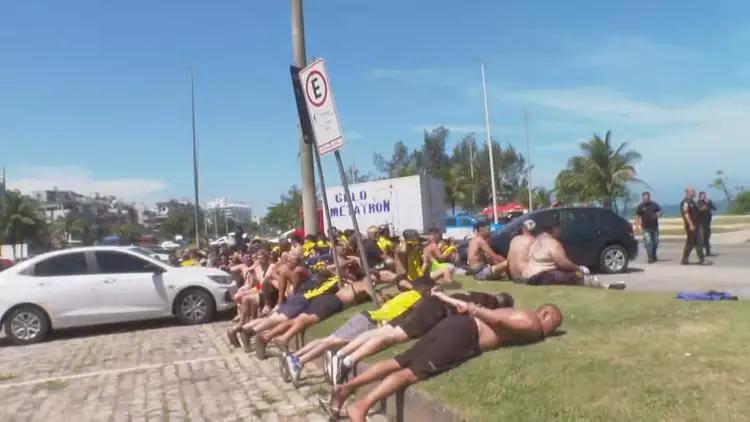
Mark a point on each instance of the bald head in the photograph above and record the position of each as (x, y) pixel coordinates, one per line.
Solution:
(689, 192)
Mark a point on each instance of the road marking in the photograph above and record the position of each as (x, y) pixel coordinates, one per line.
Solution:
(113, 371)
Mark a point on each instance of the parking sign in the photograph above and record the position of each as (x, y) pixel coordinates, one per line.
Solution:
(321, 107)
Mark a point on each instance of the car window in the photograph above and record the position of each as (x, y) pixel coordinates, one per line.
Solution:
(61, 265)
(450, 222)
(111, 262)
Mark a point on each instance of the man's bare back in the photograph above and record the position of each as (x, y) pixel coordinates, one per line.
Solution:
(480, 253)
(530, 328)
(518, 255)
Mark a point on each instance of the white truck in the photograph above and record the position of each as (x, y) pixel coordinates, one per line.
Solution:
(413, 202)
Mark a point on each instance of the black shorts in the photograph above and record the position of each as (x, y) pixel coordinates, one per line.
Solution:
(425, 315)
(270, 294)
(295, 305)
(324, 306)
(452, 342)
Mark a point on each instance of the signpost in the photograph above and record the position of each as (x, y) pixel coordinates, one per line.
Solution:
(320, 110)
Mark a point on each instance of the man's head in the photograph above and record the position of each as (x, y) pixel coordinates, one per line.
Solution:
(528, 227)
(372, 233)
(551, 317)
(435, 235)
(294, 258)
(504, 300)
(322, 237)
(423, 284)
(483, 229)
(646, 197)
(385, 231)
(295, 240)
(552, 228)
(310, 238)
(411, 237)
(702, 196)
(263, 256)
(689, 193)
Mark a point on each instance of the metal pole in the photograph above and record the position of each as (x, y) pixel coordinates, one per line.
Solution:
(471, 169)
(327, 213)
(489, 145)
(226, 223)
(528, 159)
(216, 221)
(195, 165)
(309, 204)
(357, 235)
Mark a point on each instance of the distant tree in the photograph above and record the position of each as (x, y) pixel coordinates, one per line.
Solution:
(178, 223)
(21, 220)
(285, 214)
(354, 176)
(542, 197)
(457, 186)
(721, 183)
(129, 233)
(402, 162)
(431, 158)
(740, 204)
(601, 174)
(465, 155)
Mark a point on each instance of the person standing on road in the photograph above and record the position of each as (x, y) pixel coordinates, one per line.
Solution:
(693, 230)
(647, 221)
(706, 208)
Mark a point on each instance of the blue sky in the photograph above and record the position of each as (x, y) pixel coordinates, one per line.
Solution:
(94, 96)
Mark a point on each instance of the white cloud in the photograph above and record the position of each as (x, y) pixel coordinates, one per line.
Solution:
(80, 180)
(626, 53)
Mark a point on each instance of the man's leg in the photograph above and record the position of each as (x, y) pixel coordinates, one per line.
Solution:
(317, 350)
(648, 243)
(394, 382)
(375, 372)
(655, 243)
(442, 276)
(298, 324)
(689, 244)
(360, 340)
(707, 237)
(377, 344)
(699, 243)
(279, 329)
(262, 324)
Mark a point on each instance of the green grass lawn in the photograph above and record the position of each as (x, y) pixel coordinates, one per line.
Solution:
(622, 356)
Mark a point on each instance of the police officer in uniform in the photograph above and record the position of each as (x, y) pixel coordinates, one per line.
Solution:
(693, 229)
(706, 208)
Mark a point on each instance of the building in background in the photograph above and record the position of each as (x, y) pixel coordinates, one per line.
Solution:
(223, 215)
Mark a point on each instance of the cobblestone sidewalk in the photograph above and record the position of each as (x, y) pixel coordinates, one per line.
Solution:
(173, 373)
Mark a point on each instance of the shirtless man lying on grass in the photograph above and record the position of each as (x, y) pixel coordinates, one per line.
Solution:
(453, 341)
(356, 325)
(422, 318)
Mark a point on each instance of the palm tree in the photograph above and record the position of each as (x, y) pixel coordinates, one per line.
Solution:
(601, 174)
(20, 219)
(457, 185)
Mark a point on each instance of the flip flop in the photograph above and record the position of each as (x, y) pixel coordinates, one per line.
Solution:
(330, 411)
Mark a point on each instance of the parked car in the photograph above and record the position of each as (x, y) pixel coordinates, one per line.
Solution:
(169, 245)
(156, 252)
(102, 285)
(595, 237)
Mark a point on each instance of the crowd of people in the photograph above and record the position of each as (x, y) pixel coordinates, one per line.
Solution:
(287, 287)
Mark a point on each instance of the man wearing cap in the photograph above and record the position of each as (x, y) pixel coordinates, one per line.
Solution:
(518, 252)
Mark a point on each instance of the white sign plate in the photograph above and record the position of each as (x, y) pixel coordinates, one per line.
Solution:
(321, 107)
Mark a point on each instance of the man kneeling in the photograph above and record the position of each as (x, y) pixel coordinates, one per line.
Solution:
(453, 341)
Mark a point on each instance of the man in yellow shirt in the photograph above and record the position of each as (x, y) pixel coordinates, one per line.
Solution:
(357, 325)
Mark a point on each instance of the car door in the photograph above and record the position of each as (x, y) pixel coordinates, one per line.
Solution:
(64, 286)
(129, 288)
(579, 235)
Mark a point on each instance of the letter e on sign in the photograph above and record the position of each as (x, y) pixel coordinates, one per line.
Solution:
(321, 107)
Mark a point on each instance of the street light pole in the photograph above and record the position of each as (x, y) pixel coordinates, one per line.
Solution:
(528, 160)
(489, 146)
(195, 164)
(309, 204)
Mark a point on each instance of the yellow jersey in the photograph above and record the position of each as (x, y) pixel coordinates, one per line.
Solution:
(307, 248)
(414, 264)
(323, 288)
(189, 263)
(385, 245)
(394, 307)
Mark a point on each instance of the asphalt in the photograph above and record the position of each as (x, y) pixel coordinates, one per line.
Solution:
(730, 271)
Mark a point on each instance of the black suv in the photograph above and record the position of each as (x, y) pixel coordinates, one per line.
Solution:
(595, 237)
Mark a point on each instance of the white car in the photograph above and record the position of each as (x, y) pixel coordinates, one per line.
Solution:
(160, 254)
(103, 285)
(169, 245)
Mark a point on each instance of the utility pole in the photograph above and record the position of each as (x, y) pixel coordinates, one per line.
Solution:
(528, 160)
(309, 204)
(195, 165)
(470, 141)
(489, 146)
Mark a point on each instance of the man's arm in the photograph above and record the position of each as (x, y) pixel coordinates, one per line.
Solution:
(711, 205)
(688, 218)
(561, 259)
(495, 258)
(519, 322)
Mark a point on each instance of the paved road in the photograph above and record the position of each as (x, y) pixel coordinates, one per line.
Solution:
(729, 272)
(152, 371)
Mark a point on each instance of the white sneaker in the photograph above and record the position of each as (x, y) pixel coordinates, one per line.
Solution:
(295, 369)
(327, 359)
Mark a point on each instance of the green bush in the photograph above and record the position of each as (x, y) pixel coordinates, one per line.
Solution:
(741, 204)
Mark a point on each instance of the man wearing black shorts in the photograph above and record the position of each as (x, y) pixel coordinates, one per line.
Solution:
(425, 315)
(453, 341)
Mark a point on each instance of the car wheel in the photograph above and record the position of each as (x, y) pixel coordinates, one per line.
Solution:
(613, 259)
(26, 325)
(194, 306)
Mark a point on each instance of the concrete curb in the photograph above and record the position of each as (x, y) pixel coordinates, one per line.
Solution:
(408, 405)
